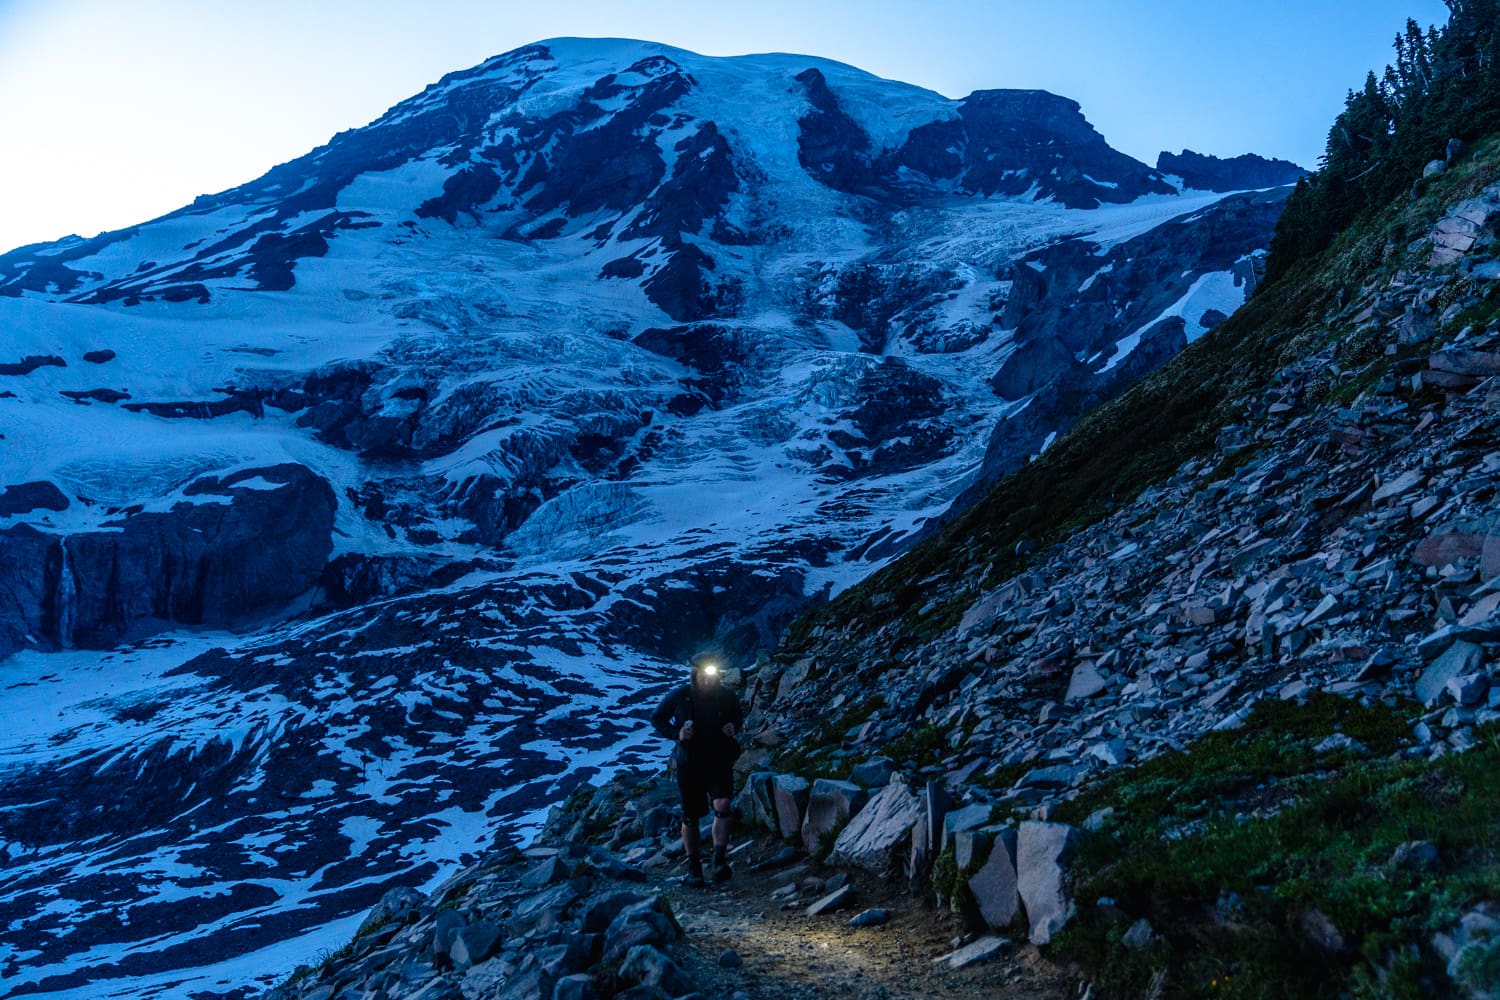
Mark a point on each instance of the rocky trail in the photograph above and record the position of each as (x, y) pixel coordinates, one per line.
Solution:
(791, 954)
(570, 918)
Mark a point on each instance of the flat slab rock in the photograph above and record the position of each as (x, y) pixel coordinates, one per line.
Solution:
(984, 950)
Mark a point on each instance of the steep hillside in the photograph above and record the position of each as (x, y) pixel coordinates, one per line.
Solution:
(1144, 629)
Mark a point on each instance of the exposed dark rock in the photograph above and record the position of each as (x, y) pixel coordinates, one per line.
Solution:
(830, 145)
(99, 357)
(31, 363)
(98, 395)
(236, 550)
(1239, 173)
(31, 496)
(1009, 142)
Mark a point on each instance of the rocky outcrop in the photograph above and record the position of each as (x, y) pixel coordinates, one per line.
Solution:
(230, 549)
(555, 922)
(1024, 142)
(1238, 173)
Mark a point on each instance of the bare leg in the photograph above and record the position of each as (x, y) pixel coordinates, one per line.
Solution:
(690, 838)
(721, 827)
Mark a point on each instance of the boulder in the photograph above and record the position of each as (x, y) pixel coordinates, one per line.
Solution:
(399, 905)
(1448, 547)
(873, 773)
(475, 943)
(757, 801)
(1085, 682)
(575, 987)
(1460, 658)
(830, 805)
(445, 930)
(936, 802)
(600, 912)
(649, 922)
(546, 908)
(880, 831)
(650, 966)
(963, 820)
(971, 847)
(995, 886)
(1042, 854)
(1139, 936)
(791, 795)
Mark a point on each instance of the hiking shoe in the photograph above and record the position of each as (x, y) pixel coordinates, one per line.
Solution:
(722, 871)
(694, 878)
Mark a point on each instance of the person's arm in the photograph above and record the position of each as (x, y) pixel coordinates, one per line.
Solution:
(663, 719)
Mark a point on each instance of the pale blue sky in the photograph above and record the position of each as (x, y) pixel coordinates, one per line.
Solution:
(113, 112)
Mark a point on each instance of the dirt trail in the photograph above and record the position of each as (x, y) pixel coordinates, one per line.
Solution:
(789, 955)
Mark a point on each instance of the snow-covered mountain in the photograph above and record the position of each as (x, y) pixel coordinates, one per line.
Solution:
(352, 516)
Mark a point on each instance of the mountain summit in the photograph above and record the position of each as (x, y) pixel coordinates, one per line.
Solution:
(350, 517)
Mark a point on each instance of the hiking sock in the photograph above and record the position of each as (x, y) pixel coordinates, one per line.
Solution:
(719, 852)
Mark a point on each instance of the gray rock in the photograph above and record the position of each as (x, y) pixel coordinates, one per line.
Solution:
(1416, 855)
(983, 950)
(1099, 818)
(963, 820)
(1053, 776)
(730, 959)
(1340, 742)
(1459, 659)
(600, 912)
(649, 922)
(1475, 933)
(873, 773)
(835, 900)
(995, 887)
(546, 872)
(1042, 852)
(1139, 936)
(1469, 690)
(791, 794)
(936, 802)
(876, 833)
(475, 943)
(830, 805)
(870, 918)
(757, 801)
(1085, 682)
(399, 905)
(650, 966)
(576, 987)
(445, 930)
(546, 908)
(1110, 753)
(971, 847)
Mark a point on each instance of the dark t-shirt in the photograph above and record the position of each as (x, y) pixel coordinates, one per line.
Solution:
(709, 710)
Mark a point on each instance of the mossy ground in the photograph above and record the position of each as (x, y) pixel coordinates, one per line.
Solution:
(1268, 869)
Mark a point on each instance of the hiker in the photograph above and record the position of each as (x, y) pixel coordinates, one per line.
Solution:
(703, 718)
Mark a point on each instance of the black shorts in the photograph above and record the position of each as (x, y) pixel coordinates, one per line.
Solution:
(701, 783)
